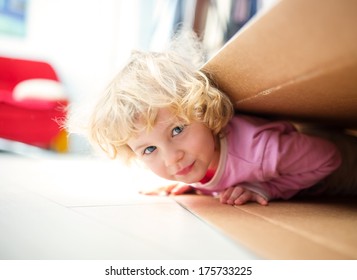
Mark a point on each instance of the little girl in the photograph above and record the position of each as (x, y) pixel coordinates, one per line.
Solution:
(163, 111)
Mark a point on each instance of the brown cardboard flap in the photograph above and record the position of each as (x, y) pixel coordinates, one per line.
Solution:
(319, 228)
(298, 60)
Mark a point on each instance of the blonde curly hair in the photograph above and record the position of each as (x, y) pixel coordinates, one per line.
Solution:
(148, 82)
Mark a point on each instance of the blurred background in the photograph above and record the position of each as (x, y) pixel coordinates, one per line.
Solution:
(55, 53)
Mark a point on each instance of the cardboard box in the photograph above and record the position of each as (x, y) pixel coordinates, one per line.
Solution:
(298, 60)
(306, 229)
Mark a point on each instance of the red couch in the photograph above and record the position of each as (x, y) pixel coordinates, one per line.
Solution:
(31, 119)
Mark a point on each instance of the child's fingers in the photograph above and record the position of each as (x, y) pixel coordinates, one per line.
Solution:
(250, 196)
(261, 200)
(244, 197)
(226, 195)
(175, 189)
(155, 192)
(181, 189)
(231, 194)
(239, 195)
(163, 190)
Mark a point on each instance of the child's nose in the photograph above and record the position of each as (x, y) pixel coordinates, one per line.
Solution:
(172, 156)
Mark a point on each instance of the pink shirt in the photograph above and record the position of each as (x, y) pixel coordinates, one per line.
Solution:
(270, 158)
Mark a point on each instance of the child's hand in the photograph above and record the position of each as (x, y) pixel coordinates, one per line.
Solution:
(174, 189)
(239, 195)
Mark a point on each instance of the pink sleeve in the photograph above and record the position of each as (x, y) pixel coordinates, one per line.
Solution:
(293, 161)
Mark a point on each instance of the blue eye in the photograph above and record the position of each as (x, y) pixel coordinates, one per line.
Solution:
(177, 130)
(149, 150)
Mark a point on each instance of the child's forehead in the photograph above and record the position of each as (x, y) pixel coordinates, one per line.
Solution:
(164, 118)
(161, 117)
(165, 115)
(164, 121)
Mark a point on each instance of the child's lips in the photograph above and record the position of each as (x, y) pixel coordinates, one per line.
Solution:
(185, 170)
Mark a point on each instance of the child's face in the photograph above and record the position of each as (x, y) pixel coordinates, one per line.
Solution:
(176, 151)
